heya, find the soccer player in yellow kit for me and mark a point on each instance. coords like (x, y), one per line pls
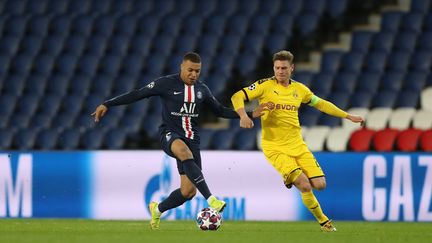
(282, 142)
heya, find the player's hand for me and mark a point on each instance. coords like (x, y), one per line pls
(246, 122)
(259, 110)
(356, 119)
(99, 112)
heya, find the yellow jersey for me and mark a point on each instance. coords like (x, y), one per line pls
(281, 129)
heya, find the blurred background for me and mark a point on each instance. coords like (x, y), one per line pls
(59, 59)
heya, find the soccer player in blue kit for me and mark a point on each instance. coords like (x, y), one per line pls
(183, 96)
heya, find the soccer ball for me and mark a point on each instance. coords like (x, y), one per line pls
(208, 219)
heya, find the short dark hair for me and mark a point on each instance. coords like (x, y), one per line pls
(283, 56)
(192, 56)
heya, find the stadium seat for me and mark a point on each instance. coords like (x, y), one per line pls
(384, 140)
(377, 118)
(69, 139)
(352, 62)
(223, 140)
(6, 138)
(424, 41)
(304, 77)
(309, 116)
(401, 118)
(260, 24)
(114, 139)
(52, 45)
(368, 82)
(330, 61)
(276, 42)
(321, 84)
(426, 141)
(360, 140)
(414, 81)
(24, 139)
(49, 104)
(390, 21)
(81, 25)
(204, 9)
(337, 139)
(15, 25)
(405, 41)
(419, 6)
(421, 61)
(38, 25)
(408, 98)
(361, 99)
(283, 23)
(376, 61)
(306, 24)
(408, 140)
(292, 7)
(247, 7)
(14, 7)
(46, 139)
(398, 61)
(7, 105)
(245, 139)
(336, 8)
(92, 139)
(422, 119)
(391, 81)
(253, 43)
(384, 99)
(125, 25)
(345, 82)
(315, 137)
(206, 138)
(426, 99)
(360, 41)
(169, 25)
(124, 6)
(14, 84)
(412, 22)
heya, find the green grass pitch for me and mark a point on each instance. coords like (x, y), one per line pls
(62, 230)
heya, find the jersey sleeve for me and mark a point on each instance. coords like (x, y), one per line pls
(153, 88)
(307, 94)
(253, 91)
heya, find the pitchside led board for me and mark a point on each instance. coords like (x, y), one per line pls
(119, 185)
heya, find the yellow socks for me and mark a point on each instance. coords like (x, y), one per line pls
(310, 201)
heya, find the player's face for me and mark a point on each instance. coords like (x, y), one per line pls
(282, 70)
(190, 71)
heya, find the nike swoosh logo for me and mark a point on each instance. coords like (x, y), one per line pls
(176, 93)
(276, 92)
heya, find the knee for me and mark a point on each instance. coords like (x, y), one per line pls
(185, 153)
(319, 184)
(305, 187)
(189, 194)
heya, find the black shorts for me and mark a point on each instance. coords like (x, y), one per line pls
(167, 138)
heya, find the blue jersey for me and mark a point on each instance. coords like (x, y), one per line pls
(181, 103)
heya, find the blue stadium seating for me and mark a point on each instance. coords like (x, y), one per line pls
(14, 7)
(38, 25)
(114, 139)
(390, 21)
(421, 61)
(282, 23)
(82, 25)
(307, 24)
(124, 6)
(322, 84)
(361, 40)
(223, 139)
(15, 25)
(425, 41)
(169, 25)
(245, 139)
(92, 138)
(345, 82)
(206, 138)
(405, 41)
(391, 81)
(7, 105)
(260, 24)
(46, 139)
(60, 26)
(292, 7)
(270, 6)
(308, 116)
(330, 121)
(304, 77)
(6, 138)
(408, 98)
(14, 84)
(9, 44)
(352, 62)
(330, 61)
(412, 22)
(420, 6)
(49, 104)
(24, 139)
(361, 99)
(230, 43)
(384, 99)
(125, 25)
(276, 42)
(398, 61)
(368, 82)
(40, 120)
(376, 61)
(414, 81)
(336, 8)
(69, 139)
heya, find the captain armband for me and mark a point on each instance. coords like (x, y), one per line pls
(314, 100)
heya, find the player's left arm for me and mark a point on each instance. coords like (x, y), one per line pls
(331, 109)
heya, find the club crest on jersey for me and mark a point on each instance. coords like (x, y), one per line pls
(168, 136)
(199, 95)
(295, 95)
(150, 85)
(252, 86)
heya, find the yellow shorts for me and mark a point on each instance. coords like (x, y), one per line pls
(291, 167)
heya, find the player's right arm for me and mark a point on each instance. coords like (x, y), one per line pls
(149, 90)
(238, 100)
